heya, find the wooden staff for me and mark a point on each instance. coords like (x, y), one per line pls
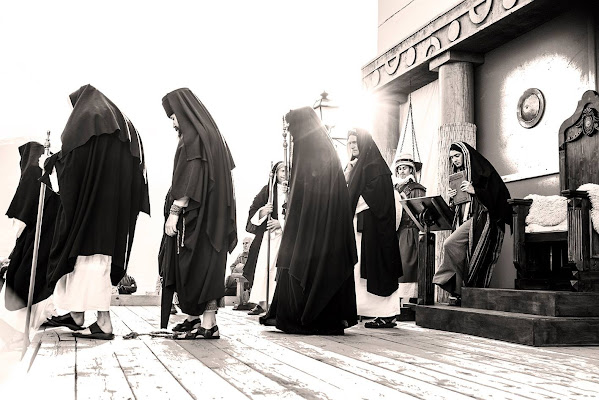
(36, 248)
(270, 201)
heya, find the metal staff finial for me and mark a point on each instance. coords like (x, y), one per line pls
(47, 143)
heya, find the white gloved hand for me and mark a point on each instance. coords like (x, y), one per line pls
(42, 161)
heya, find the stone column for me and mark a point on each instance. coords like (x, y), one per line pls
(456, 91)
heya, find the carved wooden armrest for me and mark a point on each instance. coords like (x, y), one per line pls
(570, 194)
(579, 228)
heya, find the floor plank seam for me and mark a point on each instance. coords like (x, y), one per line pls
(489, 363)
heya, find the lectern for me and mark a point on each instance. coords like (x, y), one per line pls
(430, 214)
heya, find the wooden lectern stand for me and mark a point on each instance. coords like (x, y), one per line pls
(429, 214)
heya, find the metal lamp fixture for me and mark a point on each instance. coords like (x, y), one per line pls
(327, 110)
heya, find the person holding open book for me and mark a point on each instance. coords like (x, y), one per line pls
(479, 198)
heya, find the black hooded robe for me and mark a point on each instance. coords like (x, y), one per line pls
(102, 183)
(315, 291)
(24, 207)
(193, 263)
(380, 261)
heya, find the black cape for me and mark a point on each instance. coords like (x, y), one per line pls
(103, 186)
(490, 212)
(194, 263)
(24, 207)
(315, 292)
(259, 201)
(380, 261)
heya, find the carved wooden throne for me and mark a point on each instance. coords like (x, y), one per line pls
(566, 260)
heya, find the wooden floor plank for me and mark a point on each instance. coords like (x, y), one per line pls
(194, 376)
(548, 387)
(491, 363)
(99, 375)
(54, 367)
(540, 354)
(416, 381)
(359, 387)
(585, 356)
(254, 361)
(303, 384)
(460, 375)
(146, 375)
(538, 362)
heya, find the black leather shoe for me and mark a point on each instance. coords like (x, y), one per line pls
(257, 310)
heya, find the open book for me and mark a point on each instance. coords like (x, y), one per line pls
(455, 180)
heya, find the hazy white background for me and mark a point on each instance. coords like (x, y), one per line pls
(248, 61)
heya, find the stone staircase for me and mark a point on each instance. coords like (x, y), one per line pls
(530, 317)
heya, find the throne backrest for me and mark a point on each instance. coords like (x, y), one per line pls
(579, 144)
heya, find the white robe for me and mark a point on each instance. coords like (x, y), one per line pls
(88, 287)
(368, 304)
(258, 292)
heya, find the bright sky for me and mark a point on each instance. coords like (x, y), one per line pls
(248, 61)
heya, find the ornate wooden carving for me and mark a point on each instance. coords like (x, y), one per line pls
(577, 157)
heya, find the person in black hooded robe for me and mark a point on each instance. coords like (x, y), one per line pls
(373, 203)
(315, 291)
(23, 210)
(200, 218)
(472, 249)
(103, 186)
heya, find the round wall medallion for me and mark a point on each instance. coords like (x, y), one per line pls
(530, 108)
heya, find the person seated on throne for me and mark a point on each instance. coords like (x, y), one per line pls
(472, 249)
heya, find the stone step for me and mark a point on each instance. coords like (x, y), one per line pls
(536, 302)
(527, 329)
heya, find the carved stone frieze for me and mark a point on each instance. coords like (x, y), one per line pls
(452, 28)
(480, 10)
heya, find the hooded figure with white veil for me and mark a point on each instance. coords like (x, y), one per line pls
(373, 204)
(258, 223)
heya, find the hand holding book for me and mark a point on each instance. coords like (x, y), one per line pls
(459, 188)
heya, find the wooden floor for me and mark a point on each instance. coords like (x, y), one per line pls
(252, 361)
